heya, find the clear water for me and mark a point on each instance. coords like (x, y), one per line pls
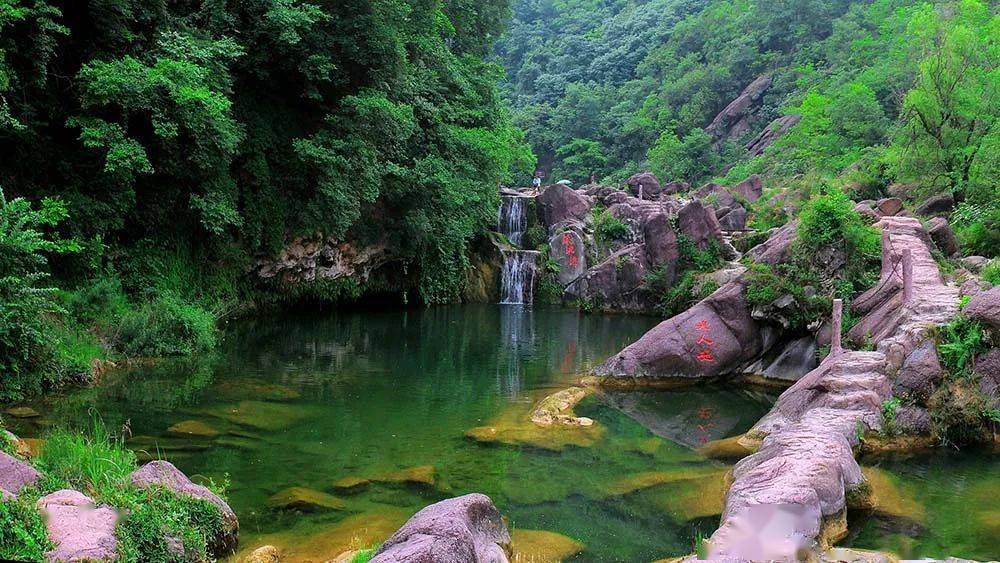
(310, 400)
(951, 499)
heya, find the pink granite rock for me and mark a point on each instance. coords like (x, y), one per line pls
(16, 474)
(164, 474)
(466, 529)
(79, 530)
(985, 307)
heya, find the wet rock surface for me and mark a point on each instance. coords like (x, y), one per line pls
(466, 529)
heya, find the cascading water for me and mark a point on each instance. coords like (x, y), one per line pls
(517, 278)
(512, 218)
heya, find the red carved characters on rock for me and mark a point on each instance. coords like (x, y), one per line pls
(570, 249)
(704, 342)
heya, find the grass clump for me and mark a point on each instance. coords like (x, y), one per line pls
(364, 555)
(889, 408)
(156, 525)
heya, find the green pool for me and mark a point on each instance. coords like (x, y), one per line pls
(374, 411)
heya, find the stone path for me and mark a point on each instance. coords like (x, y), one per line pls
(790, 497)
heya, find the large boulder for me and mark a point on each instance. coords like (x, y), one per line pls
(889, 206)
(16, 474)
(644, 185)
(559, 203)
(660, 240)
(732, 218)
(466, 529)
(79, 530)
(164, 474)
(920, 373)
(676, 187)
(985, 307)
(750, 189)
(714, 337)
(699, 225)
(797, 359)
(568, 250)
(942, 235)
(942, 203)
(988, 369)
(616, 283)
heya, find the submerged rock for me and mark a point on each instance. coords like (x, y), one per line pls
(263, 554)
(305, 500)
(541, 546)
(22, 412)
(195, 428)
(164, 474)
(311, 542)
(79, 530)
(640, 481)
(466, 529)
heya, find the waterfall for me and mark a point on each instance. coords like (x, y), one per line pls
(517, 278)
(512, 218)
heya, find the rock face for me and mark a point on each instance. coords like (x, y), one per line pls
(79, 530)
(920, 373)
(740, 114)
(568, 250)
(713, 338)
(985, 307)
(644, 185)
(560, 203)
(309, 259)
(616, 283)
(772, 133)
(661, 242)
(164, 474)
(732, 218)
(699, 224)
(466, 529)
(15, 475)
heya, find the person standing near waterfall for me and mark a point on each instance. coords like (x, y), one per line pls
(536, 182)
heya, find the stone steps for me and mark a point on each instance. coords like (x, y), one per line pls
(790, 497)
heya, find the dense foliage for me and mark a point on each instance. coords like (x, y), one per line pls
(889, 91)
(213, 132)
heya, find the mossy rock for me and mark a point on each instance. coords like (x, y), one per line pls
(728, 449)
(305, 500)
(514, 427)
(640, 481)
(689, 499)
(193, 428)
(260, 415)
(541, 546)
(308, 541)
(887, 499)
(351, 483)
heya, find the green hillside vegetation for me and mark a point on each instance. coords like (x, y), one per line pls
(890, 92)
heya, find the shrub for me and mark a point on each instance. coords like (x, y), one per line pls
(165, 326)
(681, 295)
(22, 532)
(608, 228)
(96, 300)
(829, 219)
(535, 237)
(977, 227)
(889, 408)
(958, 342)
(991, 272)
(28, 360)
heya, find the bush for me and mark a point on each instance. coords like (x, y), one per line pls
(991, 272)
(608, 228)
(28, 360)
(22, 532)
(977, 227)
(682, 295)
(960, 341)
(165, 326)
(535, 237)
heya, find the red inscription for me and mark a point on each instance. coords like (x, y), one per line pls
(706, 343)
(570, 249)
